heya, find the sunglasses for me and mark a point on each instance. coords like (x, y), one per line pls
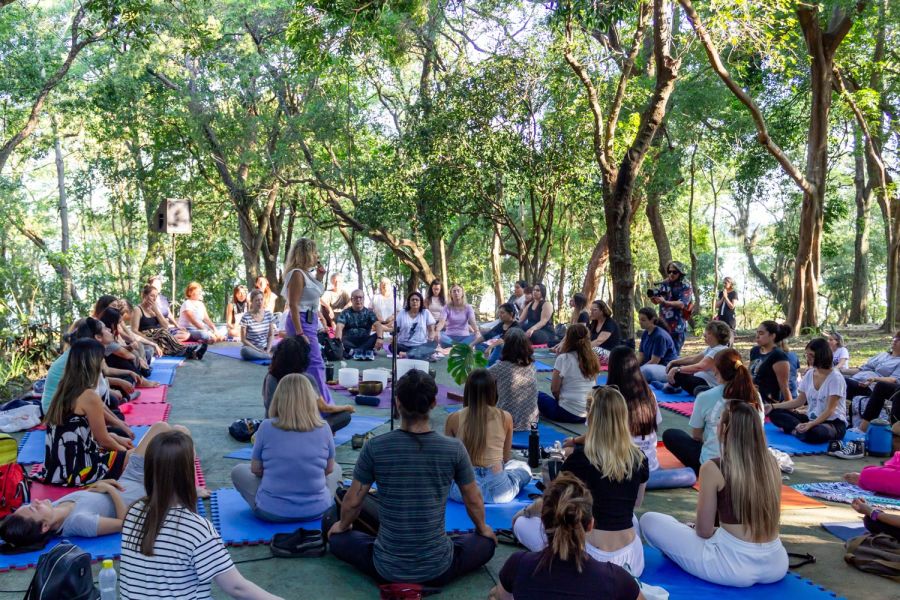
(674, 272)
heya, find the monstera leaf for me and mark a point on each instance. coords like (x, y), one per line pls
(463, 360)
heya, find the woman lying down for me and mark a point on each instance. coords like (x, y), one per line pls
(92, 512)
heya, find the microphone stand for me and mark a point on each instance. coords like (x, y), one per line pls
(394, 332)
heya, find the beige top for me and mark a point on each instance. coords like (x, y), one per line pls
(496, 438)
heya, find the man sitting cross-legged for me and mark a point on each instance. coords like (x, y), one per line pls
(354, 329)
(413, 468)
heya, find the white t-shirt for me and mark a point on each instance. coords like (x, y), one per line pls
(383, 307)
(187, 555)
(708, 375)
(840, 354)
(647, 443)
(817, 399)
(575, 387)
(312, 290)
(410, 336)
(197, 308)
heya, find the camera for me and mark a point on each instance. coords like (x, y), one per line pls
(654, 291)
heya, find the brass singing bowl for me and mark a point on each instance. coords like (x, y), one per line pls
(370, 388)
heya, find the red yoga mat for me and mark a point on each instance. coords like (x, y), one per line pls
(682, 408)
(145, 414)
(156, 395)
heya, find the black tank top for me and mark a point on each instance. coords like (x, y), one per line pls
(147, 322)
(533, 315)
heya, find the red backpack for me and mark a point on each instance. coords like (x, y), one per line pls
(14, 491)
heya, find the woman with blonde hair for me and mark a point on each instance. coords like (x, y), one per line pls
(574, 374)
(269, 297)
(486, 432)
(303, 288)
(460, 325)
(566, 567)
(742, 491)
(292, 474)
(616, 472)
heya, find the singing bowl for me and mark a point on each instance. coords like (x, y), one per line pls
(370, 388)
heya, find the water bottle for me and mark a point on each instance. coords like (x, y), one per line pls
(534, 447)
(108, 581)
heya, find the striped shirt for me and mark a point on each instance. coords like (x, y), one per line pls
(413, 472)
(187, 555)
(258, 331)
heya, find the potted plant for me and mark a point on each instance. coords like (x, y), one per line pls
(463, 359)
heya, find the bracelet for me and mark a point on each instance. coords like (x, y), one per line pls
(874, 514)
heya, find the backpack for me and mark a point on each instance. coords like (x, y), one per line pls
(243, 429)
(332, 348)
(875, 553)
(14, 491)
(63, 572)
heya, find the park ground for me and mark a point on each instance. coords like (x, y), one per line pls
(208, 395)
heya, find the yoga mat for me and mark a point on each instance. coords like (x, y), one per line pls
(681, 396)
(791, 445)
(31, 446)
(843, 492)
(107, 546)
(685, 409)
(384, 398)
(547, 434)
(659, 570)
(145, 414)
(845, 531)
(162, 375)
(671, 473)
(498, 516)
(667, 460)
(239, 527)
(168, 361)
(156, 395)
(791, 499)
(358, 424)
(235, 352)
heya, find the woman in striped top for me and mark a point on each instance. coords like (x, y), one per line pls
(257, 330)
(168, 550)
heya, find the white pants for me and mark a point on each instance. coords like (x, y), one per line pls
(530, 533)
(722, 559)
(654, 373)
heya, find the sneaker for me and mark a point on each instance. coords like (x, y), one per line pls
(199, 352)
(370, 355)
(357, 356)
(301, 543)
(849, 450)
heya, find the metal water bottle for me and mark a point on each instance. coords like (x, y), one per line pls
(534, 447)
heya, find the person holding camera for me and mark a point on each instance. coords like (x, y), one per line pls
(673, 295)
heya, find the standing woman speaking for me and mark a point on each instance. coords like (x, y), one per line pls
(303, 287)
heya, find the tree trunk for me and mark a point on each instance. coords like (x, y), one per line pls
(715, 240)
(859, 295)
(496, 244)
(68, 289)
(595, 267)
(691, 252)
(658, 229)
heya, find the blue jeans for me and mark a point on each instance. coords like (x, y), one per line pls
(449, 340)
(500, 487)
(549, 407)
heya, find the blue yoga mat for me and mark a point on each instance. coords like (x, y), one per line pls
(659, 570)
(358, 424)
(237, 525)
(32, 445)
(789, 444)
(167, 361)
(662, 396)
(845, 531)
(235, 352)
(547, 434)
(164, 375)
(107, 546)
(542, 366)
(498, 516)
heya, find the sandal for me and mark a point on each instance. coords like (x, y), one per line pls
(805, 559)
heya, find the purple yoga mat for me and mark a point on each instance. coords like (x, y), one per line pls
(384, 398)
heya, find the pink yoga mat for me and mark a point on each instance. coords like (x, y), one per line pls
(682, 408)
(156, 395)
(145, 414)
(42, 491)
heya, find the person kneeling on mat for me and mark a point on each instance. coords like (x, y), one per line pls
(742, 491)
(292, 475)
(616, 472)
(567, 568)
(98, 510)
(413, 468)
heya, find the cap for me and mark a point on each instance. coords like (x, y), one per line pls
(678, 265)
(107, 564)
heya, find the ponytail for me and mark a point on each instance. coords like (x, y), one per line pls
(781, 331)
(567, 515)
(738, 381)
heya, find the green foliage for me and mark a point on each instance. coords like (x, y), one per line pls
(464, 359)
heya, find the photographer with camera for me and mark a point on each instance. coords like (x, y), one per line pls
(674, 297)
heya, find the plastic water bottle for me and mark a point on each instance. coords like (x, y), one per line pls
(108, 581)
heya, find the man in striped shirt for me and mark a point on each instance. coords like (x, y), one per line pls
(413, 468)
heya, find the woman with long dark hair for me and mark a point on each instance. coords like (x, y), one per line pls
(734, 385)
(734, 540)
(517, 379)
(537, 318)
(147, 319)
(574, 374)
(168, 550)
(416, 334)
(644, 416)
(565, 568)
(657, 349)
(235, 309)
(605, 333)
(292, 356)
(486, 432)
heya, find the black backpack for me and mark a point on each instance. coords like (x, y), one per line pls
(63, 572)
(332, 348)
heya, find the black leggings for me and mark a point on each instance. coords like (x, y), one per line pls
(787, 421)
(689, 382)
(878, 395)
(683, 447)
(877, 527)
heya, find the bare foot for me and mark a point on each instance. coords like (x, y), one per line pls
(203, 492)
(852, 478)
